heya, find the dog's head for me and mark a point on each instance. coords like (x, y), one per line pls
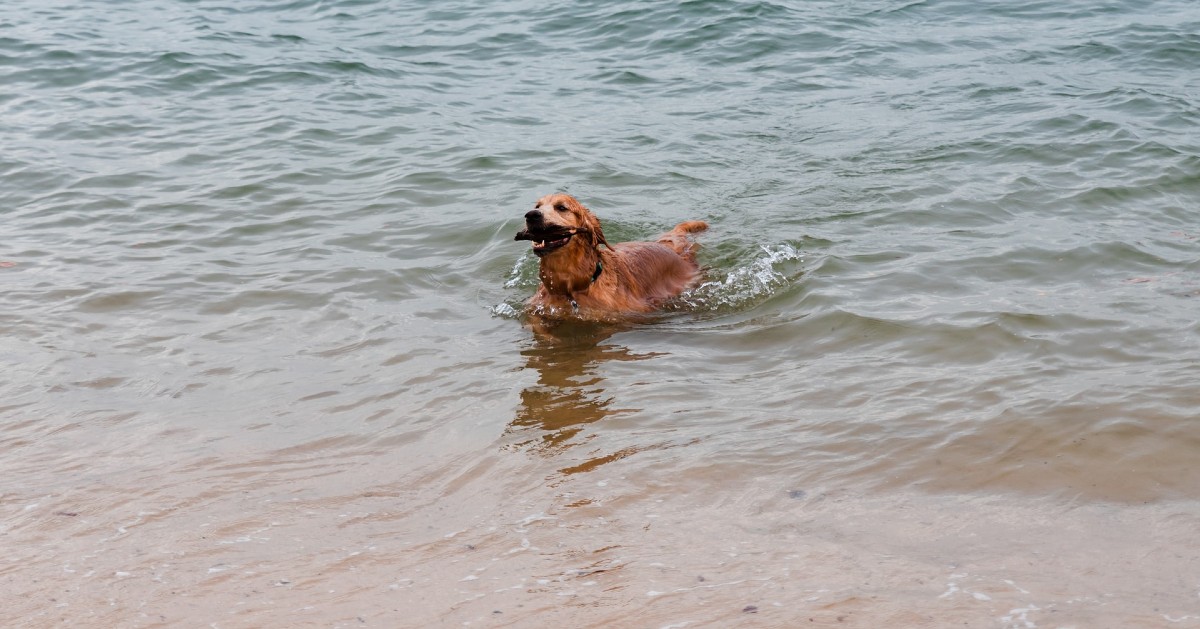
(558, 219)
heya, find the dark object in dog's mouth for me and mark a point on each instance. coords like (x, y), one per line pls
(545, 242)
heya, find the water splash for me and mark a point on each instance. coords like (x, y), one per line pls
(505, 310)
(523, 273)
(746, 285)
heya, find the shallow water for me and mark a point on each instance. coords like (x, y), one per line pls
(265, 363)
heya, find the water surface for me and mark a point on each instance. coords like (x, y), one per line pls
(265, 363)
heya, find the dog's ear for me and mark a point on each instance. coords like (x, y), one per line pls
(593, 225)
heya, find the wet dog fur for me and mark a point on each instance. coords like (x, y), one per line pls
(582, 274)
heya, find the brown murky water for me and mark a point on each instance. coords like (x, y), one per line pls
(264, 362)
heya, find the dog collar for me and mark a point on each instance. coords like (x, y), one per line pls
(599, 270)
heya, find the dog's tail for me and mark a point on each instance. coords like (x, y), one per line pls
(690, 227)
(677, 238)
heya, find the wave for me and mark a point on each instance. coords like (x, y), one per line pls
(747, 285)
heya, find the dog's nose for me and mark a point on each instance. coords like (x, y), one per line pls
(533, 216)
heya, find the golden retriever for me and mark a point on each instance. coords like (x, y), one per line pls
(579, 277)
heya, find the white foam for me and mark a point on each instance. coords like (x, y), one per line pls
(745, 284)
(505, 311)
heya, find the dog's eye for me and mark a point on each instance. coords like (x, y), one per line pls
(560, 207)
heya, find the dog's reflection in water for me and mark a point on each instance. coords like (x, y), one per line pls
(570, 393)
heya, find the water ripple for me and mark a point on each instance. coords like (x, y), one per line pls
(258, 274)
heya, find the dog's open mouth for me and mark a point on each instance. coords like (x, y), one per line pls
(545, 242)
